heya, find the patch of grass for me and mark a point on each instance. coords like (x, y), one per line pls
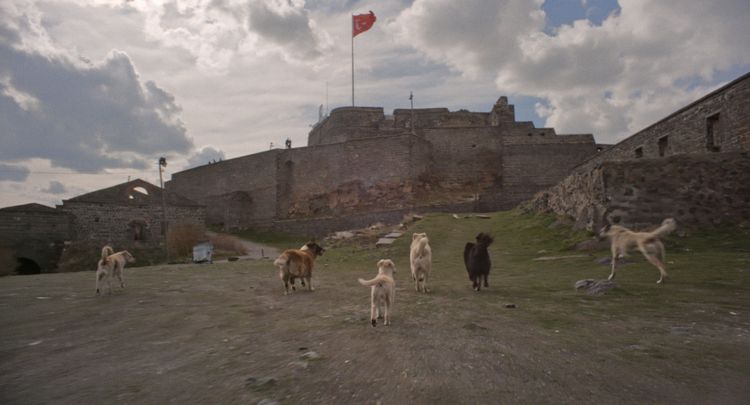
(709, 277)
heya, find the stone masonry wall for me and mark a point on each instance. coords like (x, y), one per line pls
(532, 163)
(373, 173)
(465, 157)
(359, 161)
(347, 123)
(39, 236)
(109, 223)
(696, 190)
(240, 191)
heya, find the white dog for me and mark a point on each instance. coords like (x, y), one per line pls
(624, 240)
(420, 258)
(382, 293)
(110, 265)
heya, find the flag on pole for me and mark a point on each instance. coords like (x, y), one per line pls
(362, 23)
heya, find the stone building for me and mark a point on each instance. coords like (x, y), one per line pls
(35, 238)
(361, 166)
(692, 165)
(32, 237)
(128, 213)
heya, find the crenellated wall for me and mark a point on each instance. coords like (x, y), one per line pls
(360, 162)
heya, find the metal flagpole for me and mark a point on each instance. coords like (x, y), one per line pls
(352, 60)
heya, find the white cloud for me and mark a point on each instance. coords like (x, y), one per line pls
(611, 79)
(473, 37)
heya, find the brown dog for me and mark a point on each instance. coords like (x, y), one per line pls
(298, 263)
(624, 240)
(110, 265)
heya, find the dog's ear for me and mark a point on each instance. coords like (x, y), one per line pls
(380, 263)
(414, 236)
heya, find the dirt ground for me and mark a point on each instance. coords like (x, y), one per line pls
(225, 333)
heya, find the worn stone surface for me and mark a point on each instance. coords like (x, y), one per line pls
(384, 241)
(696, 190)
(361, 162)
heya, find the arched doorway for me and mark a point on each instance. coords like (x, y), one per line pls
(27, 266)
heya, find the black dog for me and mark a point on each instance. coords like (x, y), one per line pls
(477, 260)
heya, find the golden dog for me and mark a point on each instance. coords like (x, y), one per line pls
(420, 259)
(623, 240)
(298, 263)
(382, 293)
(110, 265)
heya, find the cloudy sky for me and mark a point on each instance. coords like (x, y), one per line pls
(92, 92)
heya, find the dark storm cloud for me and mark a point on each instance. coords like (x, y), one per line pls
(55, 187)
(13, 173)
(76, 114)
(84, 118)
(290, 29)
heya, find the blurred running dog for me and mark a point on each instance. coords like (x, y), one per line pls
(382, 293)
(477, 260)
(420, 258)
(112, 265)
(623, 240)
(298, 263)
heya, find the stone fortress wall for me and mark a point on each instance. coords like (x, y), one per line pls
(692, 165)
(363, 165)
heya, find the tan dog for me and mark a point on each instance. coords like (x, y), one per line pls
(298, 263)
(649, 244)
(110, 265)
(382, 293)
(420, 258)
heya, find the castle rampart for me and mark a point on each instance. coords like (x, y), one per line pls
(360, 162)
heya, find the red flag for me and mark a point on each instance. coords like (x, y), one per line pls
(362, 23)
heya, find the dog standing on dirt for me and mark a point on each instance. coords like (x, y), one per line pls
(477, 260)
(420, 258)
(382, 293)
(623, 240)
(298, 263)
(111, 265)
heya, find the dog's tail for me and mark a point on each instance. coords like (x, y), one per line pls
(667, 226)
(282, 260)
(380, 278)
(106, 252)
(422, 247)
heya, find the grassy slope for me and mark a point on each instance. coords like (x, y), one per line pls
(684, 342)
(638, 321)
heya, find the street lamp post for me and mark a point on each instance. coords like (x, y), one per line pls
(162, 165)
